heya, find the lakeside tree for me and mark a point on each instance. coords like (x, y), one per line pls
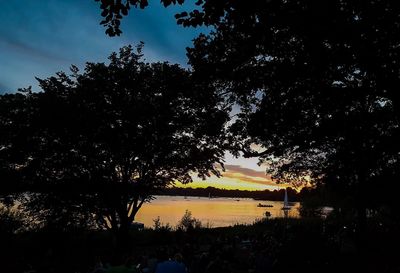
(325, 75)
(100, 143)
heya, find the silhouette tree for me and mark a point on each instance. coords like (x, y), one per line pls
(103, 141)
(319, 81)
(207, 12)
(325, 74)
(114, 10)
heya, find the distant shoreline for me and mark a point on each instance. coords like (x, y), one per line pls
(265, 195)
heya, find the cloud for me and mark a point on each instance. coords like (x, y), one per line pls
(245, 171)
(237, 177)
(249, 179)
(19, 47)
(39, 38)
(247, 175)
(3, 88)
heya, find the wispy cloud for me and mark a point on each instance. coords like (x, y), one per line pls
(12, 45)
(248, 175)
(39, 38)
(238, 177)
(245, 171)
(3, 88)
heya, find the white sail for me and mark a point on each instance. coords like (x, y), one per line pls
(286, 201)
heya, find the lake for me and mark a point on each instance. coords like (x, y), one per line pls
(217, 212)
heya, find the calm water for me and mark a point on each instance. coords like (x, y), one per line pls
(218, 212)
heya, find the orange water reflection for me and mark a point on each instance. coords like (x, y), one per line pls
(218, 212)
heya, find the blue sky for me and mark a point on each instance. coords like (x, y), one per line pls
(41, 37)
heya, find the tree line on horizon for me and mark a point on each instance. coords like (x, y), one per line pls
(316, 83)
(268, 195)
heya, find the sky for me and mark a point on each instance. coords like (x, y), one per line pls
(40, 38)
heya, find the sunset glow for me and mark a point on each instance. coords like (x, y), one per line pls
(237, 177)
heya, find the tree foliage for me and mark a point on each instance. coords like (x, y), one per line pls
(113, 11)
(207, 12)
(11, 221)
(325, 75)
(188, 222)
(101, 142)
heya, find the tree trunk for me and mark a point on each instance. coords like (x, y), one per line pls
(361, 219)
(361, 228)
(121, 229)
(123, 242)
(122, 236)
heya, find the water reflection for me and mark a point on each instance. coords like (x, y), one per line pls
(218, 212)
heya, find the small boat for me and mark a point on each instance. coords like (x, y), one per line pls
(264, 205)
(286, 205)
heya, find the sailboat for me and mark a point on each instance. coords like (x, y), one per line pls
(286, 202)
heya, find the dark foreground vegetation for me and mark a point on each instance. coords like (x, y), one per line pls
(273, 245)
(316, 88)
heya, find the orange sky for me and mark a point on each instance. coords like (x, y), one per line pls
(241, 173)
